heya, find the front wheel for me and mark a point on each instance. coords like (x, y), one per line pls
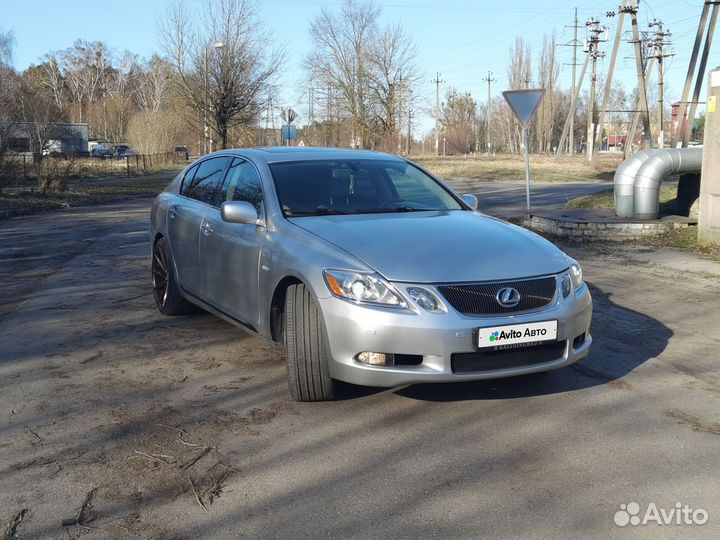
(306, 347)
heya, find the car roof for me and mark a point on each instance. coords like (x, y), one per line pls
(279, 154)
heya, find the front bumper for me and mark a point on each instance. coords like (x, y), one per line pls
(354, 328)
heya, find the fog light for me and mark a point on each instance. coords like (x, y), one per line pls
(375, 359)
(566, 285)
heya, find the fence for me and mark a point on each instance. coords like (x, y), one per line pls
(87, 166)
(144, 163)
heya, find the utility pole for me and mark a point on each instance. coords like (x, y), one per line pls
(409, 132)
(400, 89)
(701, 72)
(437, 82)
(311, 99)
(575, 44)
(608, 83)
(573, 106)
(489, 81)
(593, 53)
(637, 112)
(679, 134)
(205, 105)
(642, 87)
(659, 55)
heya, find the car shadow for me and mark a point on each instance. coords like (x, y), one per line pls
(623, 339)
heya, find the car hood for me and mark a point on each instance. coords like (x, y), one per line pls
(439, 247)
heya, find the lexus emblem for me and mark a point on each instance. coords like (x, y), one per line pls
(508, 297)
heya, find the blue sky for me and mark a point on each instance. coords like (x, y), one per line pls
(460, 39)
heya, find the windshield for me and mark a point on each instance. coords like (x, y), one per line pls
(324, 187)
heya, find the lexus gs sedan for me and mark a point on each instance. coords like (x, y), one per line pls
(365, 268)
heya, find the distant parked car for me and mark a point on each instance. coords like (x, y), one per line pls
(121, 150)
(102, 150)
(182, 152)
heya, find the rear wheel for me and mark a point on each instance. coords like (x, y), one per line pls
(306, 347)
(165, 289)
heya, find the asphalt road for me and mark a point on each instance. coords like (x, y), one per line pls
(101, 395)
(509, 198)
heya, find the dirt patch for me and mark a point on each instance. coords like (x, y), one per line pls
(693, 422)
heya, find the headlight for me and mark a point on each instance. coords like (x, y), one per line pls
(426, 299)
(576, 274)
(566, 285)
(362, 287)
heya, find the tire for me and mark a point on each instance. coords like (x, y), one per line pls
(165, 289)
(306, 347)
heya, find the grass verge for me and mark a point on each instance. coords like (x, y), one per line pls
(543, 168)
(606, 199)
(81, 193)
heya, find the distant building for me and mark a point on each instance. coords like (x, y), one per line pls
(65, 138)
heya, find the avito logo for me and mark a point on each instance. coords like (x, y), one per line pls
(516, 334)
(629, 514)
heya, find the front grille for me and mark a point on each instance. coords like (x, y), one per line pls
(492, 360)
(480, 298)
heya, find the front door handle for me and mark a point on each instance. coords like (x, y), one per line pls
(207, 229)
(172, 212)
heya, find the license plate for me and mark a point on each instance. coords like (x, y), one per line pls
(515, 334)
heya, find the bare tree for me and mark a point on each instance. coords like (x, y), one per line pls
(8, 163)
(459, 118)
(369, 70)
(119, 88)
(153, 84)
(228, 81)
(40, 115)
(546, 121)
(143, 133)
(519, 74)
(82, 67)
(520, 67)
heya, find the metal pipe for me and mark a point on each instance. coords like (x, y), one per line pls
(660, 164)
(625, 180)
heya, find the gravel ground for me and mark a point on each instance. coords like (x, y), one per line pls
(126, 424)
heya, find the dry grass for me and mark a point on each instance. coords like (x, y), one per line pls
(606, 199)
(543, 168)
(684, 238)
(84, 192)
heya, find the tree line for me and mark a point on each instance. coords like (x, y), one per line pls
(216, 79)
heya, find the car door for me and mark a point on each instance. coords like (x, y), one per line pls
(230, 252)
(197, 193)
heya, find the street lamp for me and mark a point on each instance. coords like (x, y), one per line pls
(206, 129)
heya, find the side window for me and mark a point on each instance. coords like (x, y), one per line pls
(187, 179)
(207, 180)
(242, 183)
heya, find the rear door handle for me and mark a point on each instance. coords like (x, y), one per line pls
(172, 212)
(207, 229)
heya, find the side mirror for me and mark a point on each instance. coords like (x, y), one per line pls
(470, 200)
(239, 212)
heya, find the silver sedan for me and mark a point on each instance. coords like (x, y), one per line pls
(366, 268)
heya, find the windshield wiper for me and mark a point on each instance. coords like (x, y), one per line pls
(392, 210)
(318, 212)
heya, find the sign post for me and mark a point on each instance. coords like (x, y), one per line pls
(288, 130)
(524, 104)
